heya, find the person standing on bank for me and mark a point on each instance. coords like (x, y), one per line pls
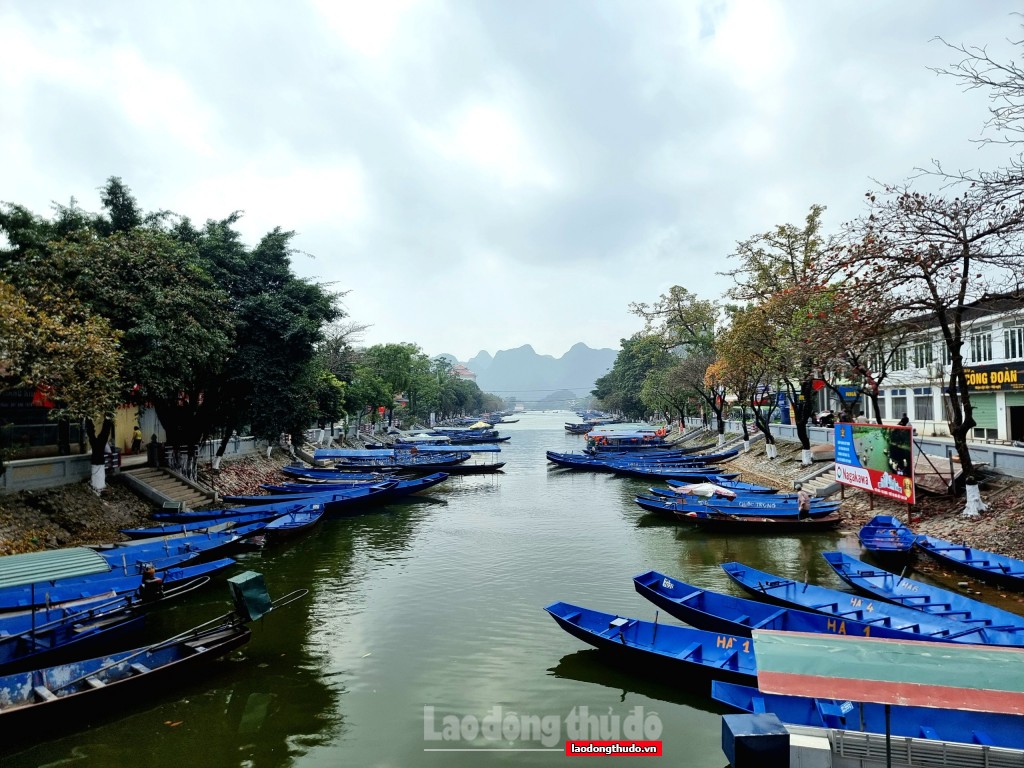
(905, 421)
(803, 502)
(136, 440)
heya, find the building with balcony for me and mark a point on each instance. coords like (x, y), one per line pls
(993, 351)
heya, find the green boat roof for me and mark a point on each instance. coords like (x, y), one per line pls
(37, 567)
(977, 678)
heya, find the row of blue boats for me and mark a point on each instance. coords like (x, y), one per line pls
(715, 655)
(50, 627)
(713, 652)
(700, 493)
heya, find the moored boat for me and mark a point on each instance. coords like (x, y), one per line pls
(671, 507)
(1000, 570)
(71, 694)
(988, 728)
(718, 612)
(845, 605)
(886, 537)
(920, 596)
(717, 522)
(692, 656)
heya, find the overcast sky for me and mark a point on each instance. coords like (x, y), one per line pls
(483, 175)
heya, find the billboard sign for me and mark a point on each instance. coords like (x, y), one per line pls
(1008, 377)
(877, 459)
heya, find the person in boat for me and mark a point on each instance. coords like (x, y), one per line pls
(803, 502)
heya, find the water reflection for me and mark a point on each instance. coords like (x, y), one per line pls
(594, 667)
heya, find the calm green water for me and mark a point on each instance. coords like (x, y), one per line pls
(437, 603)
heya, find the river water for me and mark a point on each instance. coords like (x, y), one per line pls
(428, 613)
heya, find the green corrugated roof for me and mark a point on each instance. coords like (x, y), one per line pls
(977, 678)
(36, 567)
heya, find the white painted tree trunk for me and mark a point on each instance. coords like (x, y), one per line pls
(721, 439)
(769, 451)
(746, 446)
(216, 463)
(98, 477)
(975, 506)
(805, 458)
(269, 449)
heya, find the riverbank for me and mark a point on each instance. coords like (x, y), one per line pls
(73, 515)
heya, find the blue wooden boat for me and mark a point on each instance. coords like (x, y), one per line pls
(45, 636)
(1000, 570)
(727, 522)
(320, 475)
(991, 729)
(659, 459)
(677, 505)
(430, 462)
(759, 504)
(886, 537)
(844, 605)
(47, 699)
(690, 655)
(300, 491)
(214, 514)
(733, 485)
(920, 596)
(169, 550)
(717, 612)
(577, 461)
(294, 523)
(202, 526)
(741, 495)
(705, 475)
(74, 628)
(105, 585)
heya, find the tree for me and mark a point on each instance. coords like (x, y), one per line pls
(747, 367)
(620, 389)
(47, 343)
(1004, 81)
(686, 327)
(949, 253)
(781, 272)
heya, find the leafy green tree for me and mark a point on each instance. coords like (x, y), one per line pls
(47, 343)
(686, 327)
(620, 390)
(781, 272)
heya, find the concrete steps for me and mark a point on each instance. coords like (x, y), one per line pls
(821, 481)
(163, 487)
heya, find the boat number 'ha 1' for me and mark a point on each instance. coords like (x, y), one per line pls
(727, 642)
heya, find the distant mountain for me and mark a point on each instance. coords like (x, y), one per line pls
(480, 362)
(531, 378)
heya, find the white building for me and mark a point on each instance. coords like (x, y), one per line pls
(993, 332)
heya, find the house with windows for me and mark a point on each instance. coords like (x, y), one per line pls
(993, 332)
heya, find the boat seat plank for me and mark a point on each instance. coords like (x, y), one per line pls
(980, 737)
(757, 704)
(139, 669)
(44, 694)
(94, 682)
(769, 619)
(693, 649)
(731, 661)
